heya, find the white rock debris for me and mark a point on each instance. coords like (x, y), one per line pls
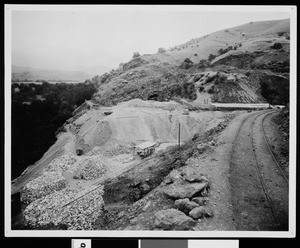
(93, 168)
(75, 207)
(62, 163)
(43, 185)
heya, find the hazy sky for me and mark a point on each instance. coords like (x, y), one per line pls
(74, 40)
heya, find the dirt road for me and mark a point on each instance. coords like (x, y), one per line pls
(259, 188)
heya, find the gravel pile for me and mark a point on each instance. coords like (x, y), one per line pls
(124, 158)
(95, 151)
(75, 207)
(91, 170)
(62, 163)
(43, 185)
(115, 150)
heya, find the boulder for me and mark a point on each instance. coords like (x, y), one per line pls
(200, 200)
(172, 219)
(201, 212)
(194, 176)
(145, 188)
(185, 205)
(202, 147)
(186, 190)
(174, 176)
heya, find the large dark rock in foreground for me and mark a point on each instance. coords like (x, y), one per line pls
(186, 190)
(172, 219)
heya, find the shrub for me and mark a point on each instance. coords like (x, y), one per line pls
(161, 50)
(187, 60)
(201, 88)
(276, 46)
(211, 57)
(195, 54)
(211, 90)
(136, 55)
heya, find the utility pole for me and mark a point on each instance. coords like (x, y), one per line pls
(179, 135)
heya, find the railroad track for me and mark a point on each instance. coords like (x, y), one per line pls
(260, 193)
(270, 150)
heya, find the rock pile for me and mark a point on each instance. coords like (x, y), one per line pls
(43, 185)
(124, 158)
(188, 188)
(62, 163)
(91, 170)
(114, 150)
(75, 207)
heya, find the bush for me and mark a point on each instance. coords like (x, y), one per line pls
(161, 50)
(211, 57)
(196, 54)
(201, 88)
(276, 46)
(211, 90)
(187, 60)
(136, 55)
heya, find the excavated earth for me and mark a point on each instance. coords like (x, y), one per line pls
(209, 182)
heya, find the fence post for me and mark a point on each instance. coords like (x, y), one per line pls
(179, 135)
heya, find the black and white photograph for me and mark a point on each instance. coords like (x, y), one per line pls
(157, 121)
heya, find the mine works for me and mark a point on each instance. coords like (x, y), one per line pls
(194, 137)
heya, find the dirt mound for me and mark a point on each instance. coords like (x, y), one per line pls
(136, 121)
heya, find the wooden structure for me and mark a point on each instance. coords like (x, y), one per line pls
(145, 149)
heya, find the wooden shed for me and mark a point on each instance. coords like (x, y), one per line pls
(145, 149)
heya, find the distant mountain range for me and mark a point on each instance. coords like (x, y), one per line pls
(20, 74)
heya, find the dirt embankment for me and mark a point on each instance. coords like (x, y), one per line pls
(110, 141)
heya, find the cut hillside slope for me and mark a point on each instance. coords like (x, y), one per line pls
(244, 54)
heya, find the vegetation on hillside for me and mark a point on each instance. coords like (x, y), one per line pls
(37, 113)
(275, 89)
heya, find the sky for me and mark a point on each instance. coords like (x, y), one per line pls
(69, 39)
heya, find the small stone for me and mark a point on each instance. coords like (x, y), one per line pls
(185, 205)
(145, 188)
(121, 214)
(201, 212)
(200, 200)
(148, 204)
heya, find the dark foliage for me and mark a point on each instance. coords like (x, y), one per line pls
(38, 113)
(275, 89)
(211, 57)
(276, 46)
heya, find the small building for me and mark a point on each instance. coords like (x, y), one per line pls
(145, 149)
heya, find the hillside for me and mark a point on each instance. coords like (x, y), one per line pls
(225, 66)
(167, 100)
(25, 74)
